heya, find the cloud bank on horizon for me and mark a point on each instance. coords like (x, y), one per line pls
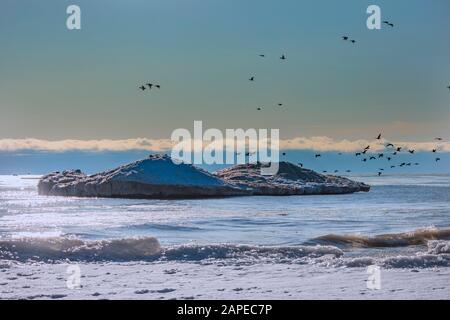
(318, 143)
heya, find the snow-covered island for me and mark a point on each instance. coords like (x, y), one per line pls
(290, 180)
(158, 177)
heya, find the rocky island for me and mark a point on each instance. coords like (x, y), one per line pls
(158, 177)
(290, 180)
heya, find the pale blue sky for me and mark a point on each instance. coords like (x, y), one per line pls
(57, 84)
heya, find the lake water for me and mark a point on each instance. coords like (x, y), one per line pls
(395, 204)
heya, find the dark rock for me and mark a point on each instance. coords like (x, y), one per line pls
(290, 180)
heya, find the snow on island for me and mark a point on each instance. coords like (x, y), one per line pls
(158, 177)
(291, 179)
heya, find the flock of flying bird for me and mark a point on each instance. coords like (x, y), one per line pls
(392, 151)
(149, 86)
(389, 155)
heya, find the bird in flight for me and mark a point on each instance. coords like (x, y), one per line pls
(412, 151)
(142, 88)
(259, 109)
(353, 41)
(438, 159)
(438, 139)
(301, 165)
(367, 148)
(389, 145)
(283, 57)
(149, 85)
(379, 137)
(399, 149)
(318, 155)
(345, 38)
(280, 104)
(157, 86)
(251, 79)
(388, 23)
(262, 55)
(380, 173)
(434, 150)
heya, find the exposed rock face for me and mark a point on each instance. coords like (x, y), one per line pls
(157, 177)
(290, 180)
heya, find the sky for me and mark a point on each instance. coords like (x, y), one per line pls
(58, 84)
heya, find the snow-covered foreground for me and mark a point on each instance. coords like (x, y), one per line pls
(177, 280)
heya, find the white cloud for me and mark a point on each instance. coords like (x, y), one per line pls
(328, 144)
(84, 145)
(319, 143)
